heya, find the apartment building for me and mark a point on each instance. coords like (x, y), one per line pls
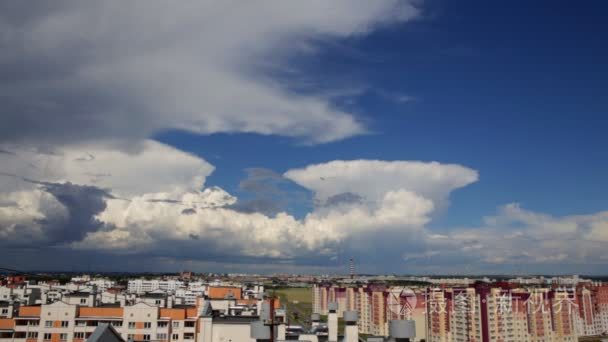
(492, 313)
(62, 321)
(145, 285)
(376, 305)
(21, 294)
(217, 320)
(592, 301)
(482, 312)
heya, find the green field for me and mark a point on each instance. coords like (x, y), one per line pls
(300, 294)
(298, 301)
(591, 339)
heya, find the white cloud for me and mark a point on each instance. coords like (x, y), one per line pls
(148, 167)
(50, 196)
(112, 69)
(518, 236)
(161, 208)
(142, 225)
(21, 215)
(372, 179)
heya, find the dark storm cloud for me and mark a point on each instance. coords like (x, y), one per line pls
(170, 201)
(343, 198)
(83, 203)
(7, 152)
(266, 206)
(263, 186)
(267, 192)
(86, 158)
(189, 211)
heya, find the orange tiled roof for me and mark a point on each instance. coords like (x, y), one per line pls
(7, 323)
(101, 312)
(173, 313)
(29, 311)
(221, 292)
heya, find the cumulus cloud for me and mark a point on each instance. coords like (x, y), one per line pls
(142, 225)
(147, 167)
(523, 239)
(153, 213)
(363, 206)
(372, 179)
(112, 69)
(54, 214)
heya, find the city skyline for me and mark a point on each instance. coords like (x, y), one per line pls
(415, 137)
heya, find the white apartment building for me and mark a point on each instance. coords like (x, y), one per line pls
(144, 285)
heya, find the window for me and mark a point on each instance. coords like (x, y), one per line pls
(63, 337)
(189, 324)
(48, 324)
(147, 325)
(175, 324)
(163, 324)
(32, 334)
(175, 337)
(146, 337)
(130, 337)
(47, 337)
(161, 336)
(131, 325)
(81, 323)
(157, 302)
(83, 300)
(116, 323)
(4, 311)
(79, 335)
(65, 324)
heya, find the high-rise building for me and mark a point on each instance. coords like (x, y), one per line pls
(481, 312)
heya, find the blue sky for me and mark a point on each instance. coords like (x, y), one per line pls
(516, 91)
(473, 133)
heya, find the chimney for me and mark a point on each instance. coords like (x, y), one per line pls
(402, 330)
(265, 311)
(315, 318)
(259, 302)
(91, 299)
(281, 332)
(332, 322)
(11, 308)
(351, 330)
(308, 338)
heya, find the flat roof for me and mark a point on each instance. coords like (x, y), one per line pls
(235, 319)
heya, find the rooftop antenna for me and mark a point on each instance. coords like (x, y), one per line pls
(351, 268)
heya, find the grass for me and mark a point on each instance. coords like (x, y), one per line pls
(299, 294)
(303, 297)
(591, 339)
(298, 301)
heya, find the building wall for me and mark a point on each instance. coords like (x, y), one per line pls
(231, 332)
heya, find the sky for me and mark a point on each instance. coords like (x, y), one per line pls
(414, 136)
